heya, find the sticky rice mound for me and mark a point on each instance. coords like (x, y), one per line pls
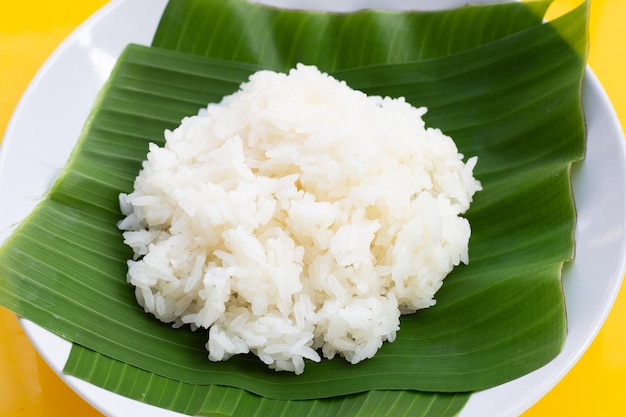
(297, 219)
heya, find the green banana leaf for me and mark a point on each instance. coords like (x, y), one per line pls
(220, 401)
(512, 98)
(281, 38)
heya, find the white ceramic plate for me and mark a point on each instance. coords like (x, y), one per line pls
(48, 119)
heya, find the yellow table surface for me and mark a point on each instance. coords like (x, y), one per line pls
(31, 30)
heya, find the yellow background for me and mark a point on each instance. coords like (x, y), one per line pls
(31, 29)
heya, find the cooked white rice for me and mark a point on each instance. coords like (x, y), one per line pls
(297, 218)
